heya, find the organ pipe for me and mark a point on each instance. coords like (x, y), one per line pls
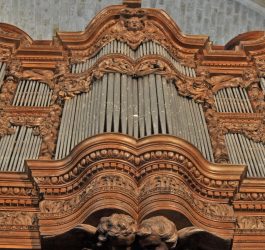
(233, 100)
(242, 150)
(32, 93)
(17, 147)
(135, 106)
(2, 72)
(146, 48)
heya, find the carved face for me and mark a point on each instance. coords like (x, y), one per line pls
(122, 240)
(134, 24)
(119, 229)
(152, 242)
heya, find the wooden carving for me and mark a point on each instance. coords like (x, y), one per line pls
(17, 220)
(251, 223)
(120, 231)
(8, 90)
(256, 96)
(219, 124)
(45, 122)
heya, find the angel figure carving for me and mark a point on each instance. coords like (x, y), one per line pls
(121, 232)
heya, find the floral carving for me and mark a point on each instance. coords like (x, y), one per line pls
(5, 125)
(45, 124)
(48, 130)
(87, 168)
(216, 132)
(170, 185)
(109, 182)
(260, 62)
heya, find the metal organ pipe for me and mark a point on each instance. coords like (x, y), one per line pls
(17, 147)
(242, 150)
(233, 100)
(32, 93)
(135, 106)
(2, 72)
(146, 48)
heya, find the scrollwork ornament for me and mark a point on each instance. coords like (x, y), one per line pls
(256, 97)
(217, 132)
(48, 130)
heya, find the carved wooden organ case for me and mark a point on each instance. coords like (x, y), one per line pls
(131, 116)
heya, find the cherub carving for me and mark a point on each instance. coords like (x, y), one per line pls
(159, 233)
(121, 232)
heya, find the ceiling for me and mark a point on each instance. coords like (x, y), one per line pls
(220, 19)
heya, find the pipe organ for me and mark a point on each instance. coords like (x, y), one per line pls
(138, 107)
(131, 123)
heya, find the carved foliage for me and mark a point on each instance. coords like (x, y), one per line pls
(110, 182)
(165, 184)
(133, 27)
(17, 220)
(256, 97)
(182, 165)
(216, 132)
(251, 222)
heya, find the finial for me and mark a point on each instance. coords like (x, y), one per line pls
(133, 3)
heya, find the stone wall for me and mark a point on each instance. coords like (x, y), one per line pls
(221, 19)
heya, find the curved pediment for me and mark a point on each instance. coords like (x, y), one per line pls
(133, 26)
(128, 175)
(137, 153)
(247, 38)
